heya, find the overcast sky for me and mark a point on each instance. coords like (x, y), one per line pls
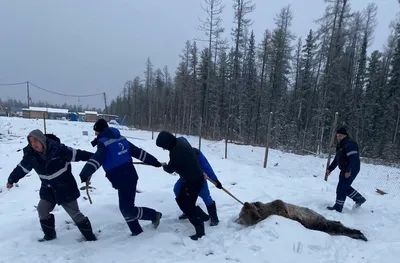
(92, 46)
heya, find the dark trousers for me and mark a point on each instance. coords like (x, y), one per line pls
(345, 189)
(204, 192)
(187, 198)
(44, 209)
(47, 219)
(131, 212)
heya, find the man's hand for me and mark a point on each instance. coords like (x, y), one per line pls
(327, 173)
(347, 175)
(219, 185)
(205, 176)
(84, 180)
(158, 164)
(163, 164)
(9, 186)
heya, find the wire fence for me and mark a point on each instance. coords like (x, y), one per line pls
(380, 178)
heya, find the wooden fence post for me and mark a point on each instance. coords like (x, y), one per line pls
(200, 126)
(334, 124)
(227, 136)
(268, 139)
(44, 122)
(176, 124)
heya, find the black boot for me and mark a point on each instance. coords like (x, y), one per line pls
(359, 200)
(86, 229)
(212, 211)
(183, 217)
(201, 214)
(156, 222)
(199, 231)
(48, 227)
(335, 207)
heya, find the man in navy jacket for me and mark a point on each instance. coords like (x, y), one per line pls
(205, 192)
(348, 159)
(114, 153)
(183, 161)
(52, 162)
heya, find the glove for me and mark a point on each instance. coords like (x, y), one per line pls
(94, 142)
(328, 172)
(219, 185)
(158, 164)
(84, 179)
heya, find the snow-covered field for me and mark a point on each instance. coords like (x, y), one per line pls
(292, 178)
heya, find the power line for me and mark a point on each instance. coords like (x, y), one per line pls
(12, 84)
(29, 84)
(53, 92)
(66, 95)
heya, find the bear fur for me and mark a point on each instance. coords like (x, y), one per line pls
(252, 213)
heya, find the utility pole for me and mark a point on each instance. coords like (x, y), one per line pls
(105, 102)
(27, 91)
(29, 97)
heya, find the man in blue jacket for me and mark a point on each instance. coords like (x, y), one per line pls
(114, 153)
(52, 162)
(348, 159)
(205, 192)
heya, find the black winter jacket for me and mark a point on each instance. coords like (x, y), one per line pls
(347, 157)
(183, 159)
(58, 184)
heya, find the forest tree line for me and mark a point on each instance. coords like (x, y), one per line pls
(228, 90)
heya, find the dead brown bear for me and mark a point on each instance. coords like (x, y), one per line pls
(253, 213)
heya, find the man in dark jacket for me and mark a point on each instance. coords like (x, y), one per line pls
(205, 192)
(114, 153)
(183, 161)
(51, 161)
(348, 159)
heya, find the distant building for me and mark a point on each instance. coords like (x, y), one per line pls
(81, 116)
(108, 117)
(44, 112)
(72, 116)
(91, 116)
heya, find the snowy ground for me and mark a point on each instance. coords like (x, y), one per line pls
(292, 178)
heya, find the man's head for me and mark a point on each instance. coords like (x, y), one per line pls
(166, 140)
(37, 140)
(341, 133)
(99, 126)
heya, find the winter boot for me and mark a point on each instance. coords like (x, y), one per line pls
(183, 217)
(199, 232)
(212, 211)
(335, 207)
(201, 214)
(86, 229)
(135, 227)
(359, 201)
(156, 222)
(48, 227)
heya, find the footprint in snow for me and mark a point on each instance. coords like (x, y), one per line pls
(255, 248)
(232, 259)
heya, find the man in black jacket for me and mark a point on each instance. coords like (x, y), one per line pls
(51, 161)
(348, 159)
(183, 161)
